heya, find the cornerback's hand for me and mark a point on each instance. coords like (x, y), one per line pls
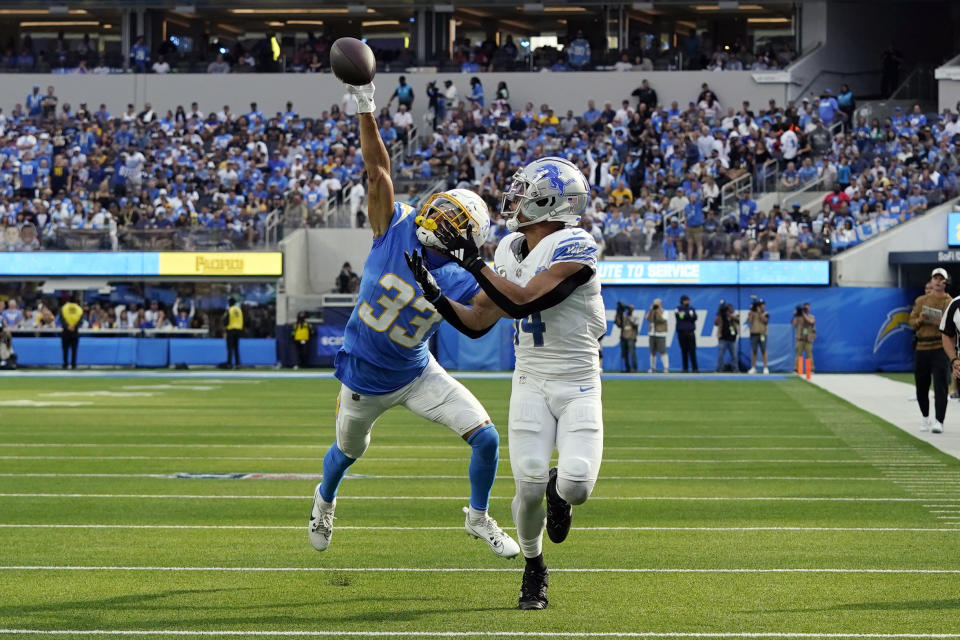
(956, 368)
(431, 290)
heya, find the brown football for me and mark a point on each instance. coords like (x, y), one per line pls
(352, 61)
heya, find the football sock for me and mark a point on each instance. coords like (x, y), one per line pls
(485, 443)
(665, 359)
(335, 464)
(529, 515)
(653, 362)
(536, 563)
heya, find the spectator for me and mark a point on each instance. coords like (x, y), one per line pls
(846, 103)
(12, 317)
(182, 317)
(476, 93)
(403, 94)
(827, 107)
(686, 326)
(139, 55)
(8, 358)
(219, 65)
(629, 324)
(347, 280)
(578, 52)
(645, 94)
(728, 327)
(161, 66)
(657, 333)
(623, 64)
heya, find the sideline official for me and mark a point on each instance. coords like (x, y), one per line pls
(686, 324)
(70, 316)
(234, 331)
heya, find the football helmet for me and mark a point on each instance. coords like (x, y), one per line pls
(549, 189)
(460, 207)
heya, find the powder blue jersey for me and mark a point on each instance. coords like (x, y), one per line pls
(385, 342)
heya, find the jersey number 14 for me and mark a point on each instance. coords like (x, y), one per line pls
(533, 325)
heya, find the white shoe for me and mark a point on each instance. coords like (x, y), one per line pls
(649, 370)
(490, 532)
(751, 370)
(766, 371)
(937, 427)
(321, 521)
(925, 424)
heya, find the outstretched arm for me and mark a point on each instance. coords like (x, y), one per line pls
(376, 161)
(472, 321)
(547, 289)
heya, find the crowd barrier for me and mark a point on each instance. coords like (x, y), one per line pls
(859, 329)
(144, 352)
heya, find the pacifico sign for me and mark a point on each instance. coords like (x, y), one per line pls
(221, 264)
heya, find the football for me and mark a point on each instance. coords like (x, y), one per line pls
(352, 61)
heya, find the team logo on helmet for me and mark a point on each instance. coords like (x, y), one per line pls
(552, 173)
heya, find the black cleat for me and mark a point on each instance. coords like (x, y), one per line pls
(533, 589)
(559, 511)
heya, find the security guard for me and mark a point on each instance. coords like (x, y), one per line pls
(301, 338)
(929, 358)
(234, 331)
(71, 314)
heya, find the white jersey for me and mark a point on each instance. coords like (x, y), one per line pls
(562, 342)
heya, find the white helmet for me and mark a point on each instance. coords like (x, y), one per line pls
(549, 189)
(460, 207)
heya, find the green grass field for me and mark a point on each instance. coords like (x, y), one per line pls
(723, 507)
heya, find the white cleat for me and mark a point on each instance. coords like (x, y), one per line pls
(321, 521)
(490, 532)
(937, 427)
(751, 370)
(766, 371)
(925, 424)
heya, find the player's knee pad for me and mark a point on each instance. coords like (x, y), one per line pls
(485, 442)
(353, 442)
(575, 479)
(575, 491)
(530, 493)
(531, 469)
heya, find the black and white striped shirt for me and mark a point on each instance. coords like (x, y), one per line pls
(950, 320)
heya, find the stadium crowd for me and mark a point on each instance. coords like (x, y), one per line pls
(311, 54)
(184, 179)
(36, 313)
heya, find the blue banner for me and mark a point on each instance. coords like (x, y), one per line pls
(953, 229)
(328, 340)
(794, 272)
(858, 329)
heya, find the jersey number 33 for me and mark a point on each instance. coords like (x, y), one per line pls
(392, 306)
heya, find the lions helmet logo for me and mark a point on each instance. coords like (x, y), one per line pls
(552, 173)
(897, 320)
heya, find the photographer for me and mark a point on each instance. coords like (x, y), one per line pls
(928, 357)
(806, 332)
(728, 327)
(758, 320)
(686, 317)
(301, 333)
(657, 332)
(8, 359)
(629, 324)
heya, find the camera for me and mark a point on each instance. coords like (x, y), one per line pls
(799, 310)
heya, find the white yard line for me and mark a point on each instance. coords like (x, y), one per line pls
(860, 461)
(177, 496)
(297, 475)
(243, 527)
(472, 634)
(650, 570)
(419, 447)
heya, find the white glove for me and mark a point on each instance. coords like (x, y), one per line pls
(364, 97)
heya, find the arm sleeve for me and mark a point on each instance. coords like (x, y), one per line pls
(445, 309)
(550, 299)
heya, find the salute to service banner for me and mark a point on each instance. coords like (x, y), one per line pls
(136, 264)
(799, 272)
